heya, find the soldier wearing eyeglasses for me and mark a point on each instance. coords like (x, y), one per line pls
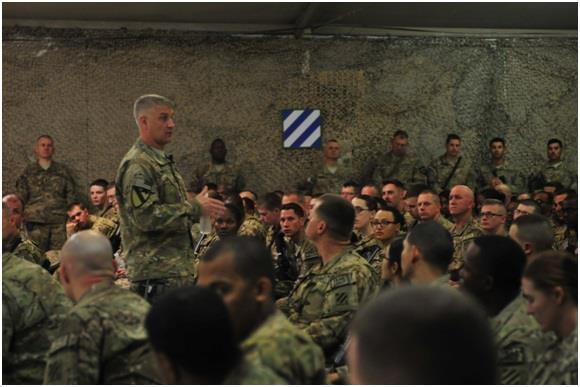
(492, 217)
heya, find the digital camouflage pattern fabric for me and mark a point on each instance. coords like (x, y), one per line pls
(46, 192)
(462, 237)
(513, 177)
(286, 350)
(155, 216)
(371, 251)
(227, 177)
(325, 299)
(253, 227)
(33, 304)
(102, 340)
(253, 373)
(441, 168)
(330, 180)
(404, 168)
(562, 172)
(24, 248)
(515, 335)
(557, 363)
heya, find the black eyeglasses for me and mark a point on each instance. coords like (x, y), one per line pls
(383, 223)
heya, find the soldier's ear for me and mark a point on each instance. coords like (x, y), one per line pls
(263, 289)
(559, 295)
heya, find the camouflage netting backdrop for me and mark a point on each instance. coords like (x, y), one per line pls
(79, 86)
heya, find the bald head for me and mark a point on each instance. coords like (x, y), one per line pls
(16, 207)
(461, 201)
(88, 253)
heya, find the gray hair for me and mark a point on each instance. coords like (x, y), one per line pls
(89, 252)
(148, 101)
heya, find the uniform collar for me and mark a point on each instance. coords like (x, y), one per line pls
(157, 154)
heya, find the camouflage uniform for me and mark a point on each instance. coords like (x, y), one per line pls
(156, 220)
(110, 212)
(560, 171)
(253, 227)
(103, 341)
(404, 168)
(252, 373)
(446, 223)
(370, 249)
(203, 244)
(286, 350)
(271, 232)
(557, 363)
(105, 226)
(301, 257)
(515, 332)
(32, 306)
(326, 180)
(513, 177)
(324, 300)
(24, 248)
(442, 168)
(46, 193)
(227, 176)
(461, 240)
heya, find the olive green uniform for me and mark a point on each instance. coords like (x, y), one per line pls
(462, 237)
(156, 219)
(562, 172)
(557, 363)
(325, 299)
(286, 350)
(226, 176)
(102, 340)
(46, 193)
(32, 305)
(330, 179)
(404, 168)
(513, 177)
(442, 169)
(515, 334)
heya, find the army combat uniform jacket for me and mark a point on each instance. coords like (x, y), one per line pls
(324, 300)
(102, 340)
(286, 350)
(155, 216)
(557, 363)
(33, 304)
(442, 169)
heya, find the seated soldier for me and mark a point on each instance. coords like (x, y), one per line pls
(225, 224)
(79, 219)
(421, 335)
(101, 340)
(199, 348)
(16, 240)
(292, 253)
(241, 270)
(98, 196)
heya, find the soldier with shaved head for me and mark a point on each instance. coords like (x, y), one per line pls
(102, 339)
(461, 203)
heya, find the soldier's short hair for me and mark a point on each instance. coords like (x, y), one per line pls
(148, 101)
(494, 202)
(80, 205)
(252, 259)
(497, 139)
(556, 184)
(433, 193)
(569, 192)
(397, 183)
(400, 133)
(434, 242)
(503, 260)
(192, 327)
(423, 335)
(490, 193)
(298, 210)
(555, 141)
(354, 184)
(452, 136)
(395, 251)
(100, 182)
(47, 136)
(397, 216)
(270, 201)
(531, 203)
(338, 214)
(370, 201)
(535, 229)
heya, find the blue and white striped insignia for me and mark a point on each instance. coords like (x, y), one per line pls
(301, 129)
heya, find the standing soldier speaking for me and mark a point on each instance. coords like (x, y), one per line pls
(154, 211)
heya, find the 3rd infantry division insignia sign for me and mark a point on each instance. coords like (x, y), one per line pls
(301, 129)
